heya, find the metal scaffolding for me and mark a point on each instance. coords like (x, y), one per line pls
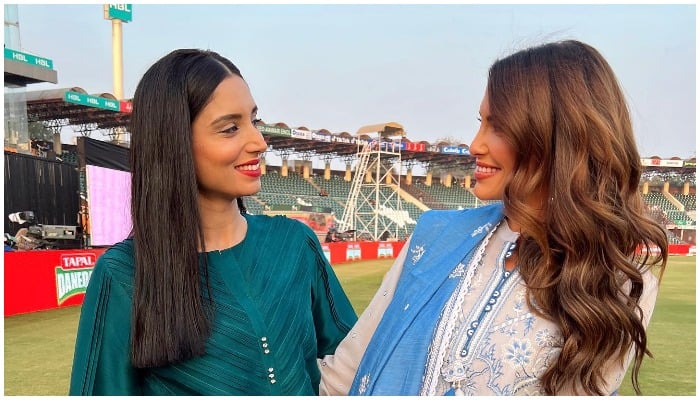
(373, 209)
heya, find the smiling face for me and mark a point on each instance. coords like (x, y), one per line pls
(226, 143)
(495, 157)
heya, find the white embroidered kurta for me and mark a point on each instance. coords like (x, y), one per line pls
(487, 342)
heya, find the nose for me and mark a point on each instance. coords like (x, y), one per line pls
(257, 142)
(478, 147)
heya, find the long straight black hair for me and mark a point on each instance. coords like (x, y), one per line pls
(171, 318)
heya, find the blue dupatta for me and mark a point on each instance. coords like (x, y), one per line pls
(394, 362)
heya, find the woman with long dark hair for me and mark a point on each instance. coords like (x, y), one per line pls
(549, 291)
(203, 298)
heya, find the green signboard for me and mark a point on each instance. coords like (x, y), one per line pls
(91, 101)
(275, 130)
(28, 58)
(121, 12)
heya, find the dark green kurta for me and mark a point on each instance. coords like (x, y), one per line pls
(278, 306)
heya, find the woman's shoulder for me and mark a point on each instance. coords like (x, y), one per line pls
(118, 260)
(120, 250)
(651, 284)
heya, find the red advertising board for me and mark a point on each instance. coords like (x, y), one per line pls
(679, 249)
(415, 146)
(46, 279)
(125, 106)
(40, 280)
(341, 252)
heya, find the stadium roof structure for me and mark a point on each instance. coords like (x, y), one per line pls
(387, 129)
(20, 71)
(658, 164)
(342, 145)
(49, 106)
(292, 144)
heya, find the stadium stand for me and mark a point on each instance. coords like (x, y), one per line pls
(293, 184)
(687, 200)
(254, 205)
(658, 200)
(442, 197)
(333, 193)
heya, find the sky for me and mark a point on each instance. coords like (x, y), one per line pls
(341, 67)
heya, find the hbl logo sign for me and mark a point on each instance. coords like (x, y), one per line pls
(121, 12)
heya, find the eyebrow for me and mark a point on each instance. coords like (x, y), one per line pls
(232, 117)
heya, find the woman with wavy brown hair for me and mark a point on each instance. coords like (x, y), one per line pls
(549, 291)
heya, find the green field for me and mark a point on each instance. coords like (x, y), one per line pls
(39, 346)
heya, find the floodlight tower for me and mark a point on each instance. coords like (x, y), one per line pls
(374, 206)
(118, 13)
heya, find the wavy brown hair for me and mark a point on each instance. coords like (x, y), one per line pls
(563, 111)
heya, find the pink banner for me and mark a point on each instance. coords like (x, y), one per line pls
(109, 205)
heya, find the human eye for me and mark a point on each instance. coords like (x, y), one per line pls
(478, 118)
(231, 129)
(257, 121)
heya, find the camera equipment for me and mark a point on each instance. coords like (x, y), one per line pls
(22, 217)
(49, 232)
(45, 234)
